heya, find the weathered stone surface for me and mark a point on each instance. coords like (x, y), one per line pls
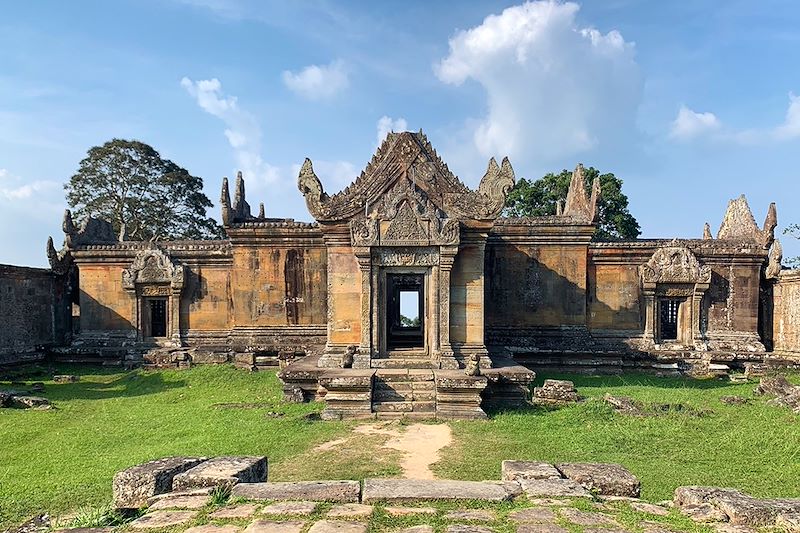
(515, 470)
(584, 518)
(645, 507)
(300, 508)
(789, 521)
(30, 402)
(332, 491)
(784, 392)
(535, 515)
(407, 511)
(403, 490)
(161, 519)
(269, 526)
(213, 528)
(180, 502)
(563, 488)
(85, 530)
(133, 486)
(541, 528)
(606, 479)
(474, 515)
(418, 529)
(203, 491)
(66, 378)
(555, 392)
(350, 510)
(338, 526)
(549, 502)
(461, 528)
(738, 508)
(730, 528)
(235, 511)
(704, 512)
(734, 400)
(223, 470)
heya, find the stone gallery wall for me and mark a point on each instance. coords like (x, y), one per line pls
(34, 313)
(786, 312)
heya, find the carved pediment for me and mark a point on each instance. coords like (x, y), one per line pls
(153, 267)
(410, 157)
(674, 264)
(740, 225)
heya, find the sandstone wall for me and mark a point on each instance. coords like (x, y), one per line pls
(34, 312)
(466, 296)
(786, 312)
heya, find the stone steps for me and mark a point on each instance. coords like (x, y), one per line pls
(404, 393)
(403, 363)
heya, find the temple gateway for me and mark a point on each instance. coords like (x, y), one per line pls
(410, 296)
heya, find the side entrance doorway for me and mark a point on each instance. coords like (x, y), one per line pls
(405, 311)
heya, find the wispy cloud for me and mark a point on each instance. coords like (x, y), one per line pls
(386, 125)
(318, 82)
(693, 125)
(241, 128)
(553, 88)
(14, 188)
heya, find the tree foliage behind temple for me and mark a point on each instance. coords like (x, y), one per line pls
(129, 184)
(539, 198)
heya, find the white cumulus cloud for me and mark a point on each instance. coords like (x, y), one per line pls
(241, 128)
(386, 125)
(318, 82)
(14, 187)
(689, 124)
(693, 125)
(553, 88)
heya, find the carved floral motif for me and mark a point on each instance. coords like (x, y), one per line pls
(153, 267)
(405, 257)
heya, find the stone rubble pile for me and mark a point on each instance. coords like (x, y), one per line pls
(555, 392)
(784, 392)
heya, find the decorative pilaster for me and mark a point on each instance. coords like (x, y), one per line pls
(363, 357)
(447, 255)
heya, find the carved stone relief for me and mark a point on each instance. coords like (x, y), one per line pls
(674, 264)
(153, 267)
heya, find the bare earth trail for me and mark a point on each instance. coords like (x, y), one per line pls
(419, 444)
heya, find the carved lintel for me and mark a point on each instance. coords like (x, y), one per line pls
(405, 256)
(153, 267)
(674, 264)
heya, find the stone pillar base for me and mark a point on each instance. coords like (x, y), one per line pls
(458, 396)
(349, 393)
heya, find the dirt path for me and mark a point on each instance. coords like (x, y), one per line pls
(419, 444)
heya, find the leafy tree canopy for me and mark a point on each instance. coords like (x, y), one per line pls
(794, 231)
(129, 184)
(539, 198)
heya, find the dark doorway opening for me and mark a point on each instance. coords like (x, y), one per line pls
(405, 311)
(155, 319)
(669, 319)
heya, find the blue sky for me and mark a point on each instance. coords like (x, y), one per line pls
(690, 103)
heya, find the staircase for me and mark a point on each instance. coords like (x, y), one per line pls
(403, 359)
(404, 393)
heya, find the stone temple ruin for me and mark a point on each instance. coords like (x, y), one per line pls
(494, 297)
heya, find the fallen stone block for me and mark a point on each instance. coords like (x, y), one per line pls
(181, 502)
(30, 402)
(408, 511)
(541, 528)
(299, 508)
(223, 471)
(66, 378)
(235, 511)
(516, 470)
(160, 519)
(405, 490)
(644, 507)
(553, 488)
(704, 512)
(788, 521)
(605, 479)
(133, 486)
(584, 518)
(461, 528)
(555, 392)
(318, 491)
(418, 529)
(534, 515)
(350, 510)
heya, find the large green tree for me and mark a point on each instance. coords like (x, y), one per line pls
(539, 198)
(794, 231)
(130, 185)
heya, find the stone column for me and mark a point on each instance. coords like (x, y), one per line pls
(175, 317)
(447, 257)
(363, 357)
(649, 314)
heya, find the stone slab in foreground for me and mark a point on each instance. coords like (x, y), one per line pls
(223, 470)
(160, 519)
(553, 488)
(133, 486)
(515, 470)
(606, 479)
(741, 509)
(405, 490)
(319, 491)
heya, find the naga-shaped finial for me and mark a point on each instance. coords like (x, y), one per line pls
(308, 183)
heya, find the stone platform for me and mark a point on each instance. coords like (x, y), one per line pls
(418, 393)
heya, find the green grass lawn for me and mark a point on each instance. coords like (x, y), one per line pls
(65, 458)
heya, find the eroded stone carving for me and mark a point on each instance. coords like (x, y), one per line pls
(405, 257)
(674, 264)
(775, 257)
(739, 224)
(60, 260)
(153, 267)
(408, 156)
(92, 231)
(579, 205)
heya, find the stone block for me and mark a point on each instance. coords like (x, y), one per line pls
(332, 491)
(555, 392)
(515, 470)
(472, 515)
(553, 488)
(213, 528)
(541, 528)
(299, 508)
(418, 529)
(536, 515)
(584, 518)
(133, 486)
(606, 479)
(269, 526)
(180, 502)
(221, 471)
(462, 528)
(338, 526)
(66, 378)
(408, 511)
(235, 512)
(30, 402)
(644, 507)
(406, 490)
(350, 510)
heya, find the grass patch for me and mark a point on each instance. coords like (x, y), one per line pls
(64, 459)
(753, 447)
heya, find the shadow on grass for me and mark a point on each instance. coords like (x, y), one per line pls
(124, 384)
